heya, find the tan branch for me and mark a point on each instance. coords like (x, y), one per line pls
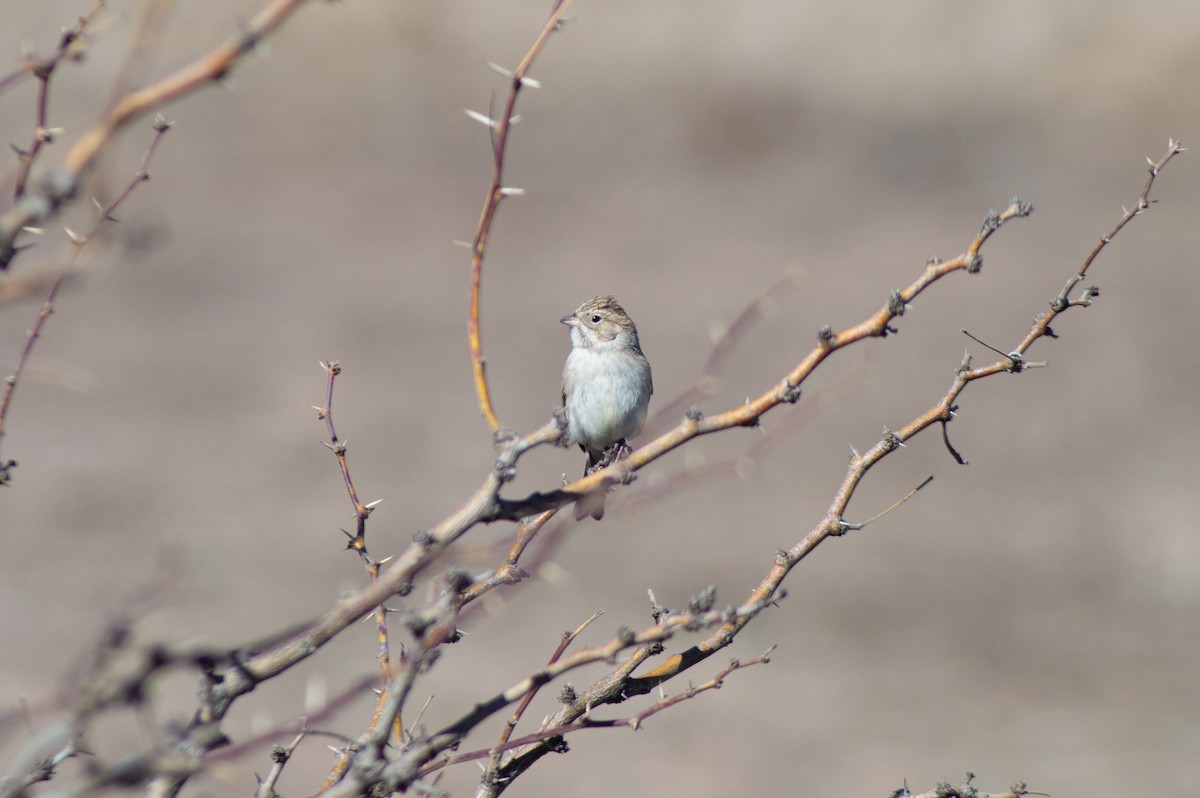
(497, 191)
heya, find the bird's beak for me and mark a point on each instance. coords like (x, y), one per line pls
(570, 321)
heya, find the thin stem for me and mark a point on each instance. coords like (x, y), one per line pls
(496, 192)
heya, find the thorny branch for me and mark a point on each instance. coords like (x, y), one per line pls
(833, 523)
(358, 543)
(42, 202)
(280, 755)
(404, 769)
(497, 191)
(78, 242)
(506, 734)
(247, 667)
(371, 765)
(71, 45)
(587, 722)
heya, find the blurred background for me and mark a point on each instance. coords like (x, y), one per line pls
(1034, 615)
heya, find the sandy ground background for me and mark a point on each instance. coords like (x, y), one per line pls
(1033, 615)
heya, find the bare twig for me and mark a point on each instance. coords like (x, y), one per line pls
(401, 771)
(280, 755)
(497, 191)
(358, 543)
(862, 524)
(587, 722)
(71, 45)
(36, 207)
(502, 744)
(77, 243)
(1062, 302)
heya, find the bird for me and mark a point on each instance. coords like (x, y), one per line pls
(606, 387)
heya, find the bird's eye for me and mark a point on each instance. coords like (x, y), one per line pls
(596, 318)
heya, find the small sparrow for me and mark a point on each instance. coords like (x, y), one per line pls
(606, 387)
